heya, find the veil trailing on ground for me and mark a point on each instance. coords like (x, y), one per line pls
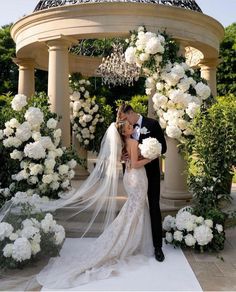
(97, 193)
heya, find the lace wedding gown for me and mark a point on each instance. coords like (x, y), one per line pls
(127, 237)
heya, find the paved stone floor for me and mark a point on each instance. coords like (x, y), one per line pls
(215, 272)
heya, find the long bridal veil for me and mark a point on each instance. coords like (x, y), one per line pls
(97, 193)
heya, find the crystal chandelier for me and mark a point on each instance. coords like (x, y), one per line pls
(115, 71)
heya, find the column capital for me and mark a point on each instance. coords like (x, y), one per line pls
(58, 42)
(209, 63)
(24, 62)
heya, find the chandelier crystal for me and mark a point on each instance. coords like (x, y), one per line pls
(114, 70)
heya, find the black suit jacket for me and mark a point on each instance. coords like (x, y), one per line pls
(154, 130)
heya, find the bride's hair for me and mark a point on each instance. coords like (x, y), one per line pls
(120, 126)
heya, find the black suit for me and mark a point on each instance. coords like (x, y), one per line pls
(153, 175)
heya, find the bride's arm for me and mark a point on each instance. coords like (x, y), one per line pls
(134, 159)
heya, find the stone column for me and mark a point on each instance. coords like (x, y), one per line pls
(26, 81)
(208, 72)
(81, 171)
(58, 85)
(175, 191)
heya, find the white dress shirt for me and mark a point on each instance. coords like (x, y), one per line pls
(136, 132)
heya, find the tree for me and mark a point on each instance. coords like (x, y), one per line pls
(226, 73)
(9, 70)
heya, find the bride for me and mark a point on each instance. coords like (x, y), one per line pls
(124, 236)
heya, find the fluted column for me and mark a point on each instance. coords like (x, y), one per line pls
(208, 72)
(26, 80)
(175, 190)
(58, 85)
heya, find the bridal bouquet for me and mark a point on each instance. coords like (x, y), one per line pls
(189, 230)
(27, 234)
(150, 148)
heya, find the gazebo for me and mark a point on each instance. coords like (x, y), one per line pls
(44, 37)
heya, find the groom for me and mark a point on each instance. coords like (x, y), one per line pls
(144, 128)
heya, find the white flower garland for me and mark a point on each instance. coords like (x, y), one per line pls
(84, 113)
(176, 95)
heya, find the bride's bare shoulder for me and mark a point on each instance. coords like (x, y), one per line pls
(132, 142)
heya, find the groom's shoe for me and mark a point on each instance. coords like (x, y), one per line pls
(159, 255)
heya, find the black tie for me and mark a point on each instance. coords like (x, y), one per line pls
(135, 125)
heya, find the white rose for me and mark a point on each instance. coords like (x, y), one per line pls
(167, 222)
(130, 55)
(72, 163)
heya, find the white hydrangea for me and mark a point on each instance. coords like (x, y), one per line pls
(203, 234)
(6, 230)
(29, 231)
(17, 155)
(63, 169)
(208, 222)
(21, 250)
(182, 219)
(189, 240)
(23, 132)
(203, 90)
(192, 109)
(59, 234)
(34, 116)
(7, 250)
(35, 247)
(178, 235)
(18, 102)
(130, 55)
(167, 222)
(169, 237)
(219, 228)
(35, 150)
(173, 132)
(52, 123)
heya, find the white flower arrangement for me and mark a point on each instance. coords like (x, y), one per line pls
(150, 148)
(189, 230)
(84, 113)
(33, 141)
(23, 241)
(176, 95)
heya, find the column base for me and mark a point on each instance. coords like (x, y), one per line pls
(176, 199)
(81, 173)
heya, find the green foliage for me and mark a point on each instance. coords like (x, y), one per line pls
(226, 72)
(9, 70)
(138, 102)
(96, 47)
(212, 155)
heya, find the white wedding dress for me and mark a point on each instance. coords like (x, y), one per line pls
(126, 237)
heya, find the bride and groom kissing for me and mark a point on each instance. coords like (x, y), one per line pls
(137, 229)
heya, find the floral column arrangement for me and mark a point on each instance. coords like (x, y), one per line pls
(177, 93)
(84, 118)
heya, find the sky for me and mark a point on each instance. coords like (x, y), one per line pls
(222, 10)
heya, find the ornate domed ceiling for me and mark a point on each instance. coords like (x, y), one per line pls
(186, 4)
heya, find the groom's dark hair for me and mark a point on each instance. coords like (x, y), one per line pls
(126, 108)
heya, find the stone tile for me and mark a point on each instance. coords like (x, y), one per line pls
(228, 269)
(217, 283)
(205, 269)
